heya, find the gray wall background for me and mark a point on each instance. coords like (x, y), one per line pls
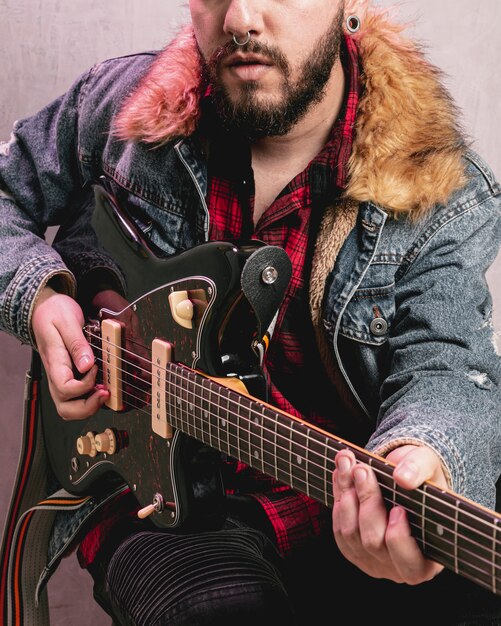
(47, 43)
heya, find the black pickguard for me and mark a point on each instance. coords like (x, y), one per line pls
(230, 313)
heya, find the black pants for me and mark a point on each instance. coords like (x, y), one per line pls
(147, 577)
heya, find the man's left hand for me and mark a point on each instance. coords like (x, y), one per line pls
(377, 541)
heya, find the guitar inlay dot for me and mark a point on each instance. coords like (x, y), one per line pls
(299, 460)
(256, 420)
(206, 414)
(190, 406)
(223, 423)
(256, 454)
(440, 530)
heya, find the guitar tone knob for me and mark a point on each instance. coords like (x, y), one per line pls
(106, 442)
(86, 445)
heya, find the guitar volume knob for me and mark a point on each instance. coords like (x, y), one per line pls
(86, 445)
(106, 442)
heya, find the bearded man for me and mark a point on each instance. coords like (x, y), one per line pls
(315, 126)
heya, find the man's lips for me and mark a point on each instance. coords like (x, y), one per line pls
(240, 58)
(247, 66)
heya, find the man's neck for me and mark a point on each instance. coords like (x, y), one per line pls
(277, 160)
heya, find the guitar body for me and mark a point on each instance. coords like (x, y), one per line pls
(171, 351)
(175, 471)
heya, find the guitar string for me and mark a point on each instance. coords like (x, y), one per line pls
(307, 449)
(190, 370)
(290, 454)
(465, 557)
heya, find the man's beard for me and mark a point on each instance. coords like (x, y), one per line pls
(255, 119)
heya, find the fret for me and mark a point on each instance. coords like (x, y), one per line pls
(266, 435)
(257, 434)
(221, 418)
(318, 474)
(228, 415)
(184, 397)
(192, 406)
(271, 449)
(298, 458)
(311, 470)
(456, 544)
(289, 446)
(385, 480)
(496, 558)
(425, 525)
(333, 446)
(328, 470)
(432, 519)
(400, 497)
(243, 429)
(207, 416)
(197, 402)
(183, 404)
(282, 450)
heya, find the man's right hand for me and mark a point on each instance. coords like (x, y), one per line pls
(57, 325)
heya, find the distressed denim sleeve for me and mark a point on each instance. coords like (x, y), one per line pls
(443, 388)
(39, 181)
(41, 184)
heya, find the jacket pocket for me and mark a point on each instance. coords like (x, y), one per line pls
(369, 315)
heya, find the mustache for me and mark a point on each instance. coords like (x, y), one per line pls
(253, 46)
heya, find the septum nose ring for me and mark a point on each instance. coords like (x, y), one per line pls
(244, 42)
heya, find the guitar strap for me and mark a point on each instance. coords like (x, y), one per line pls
(27, 531)
(264, 280)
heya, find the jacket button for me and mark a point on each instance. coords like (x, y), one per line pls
(379, 326)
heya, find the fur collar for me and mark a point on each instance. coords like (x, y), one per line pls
(407, 147)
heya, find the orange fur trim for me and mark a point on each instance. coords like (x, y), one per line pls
(408, 145)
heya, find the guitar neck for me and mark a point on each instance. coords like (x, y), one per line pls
(451, 530)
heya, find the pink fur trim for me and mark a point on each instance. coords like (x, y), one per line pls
(166, 102)
(408, 145)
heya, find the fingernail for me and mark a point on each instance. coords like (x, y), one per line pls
(359, 475)
(407, 473)
(396, 514)
(343, 464)
(85, 360)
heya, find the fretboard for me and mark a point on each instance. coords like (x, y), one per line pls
(459, 534)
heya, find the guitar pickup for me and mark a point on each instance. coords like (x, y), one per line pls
(161, 355)
(111, 342)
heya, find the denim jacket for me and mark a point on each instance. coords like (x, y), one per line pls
(405, 310)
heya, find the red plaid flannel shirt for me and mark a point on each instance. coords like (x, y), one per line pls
(298, 382)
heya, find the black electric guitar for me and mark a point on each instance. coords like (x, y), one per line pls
(182, 359)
